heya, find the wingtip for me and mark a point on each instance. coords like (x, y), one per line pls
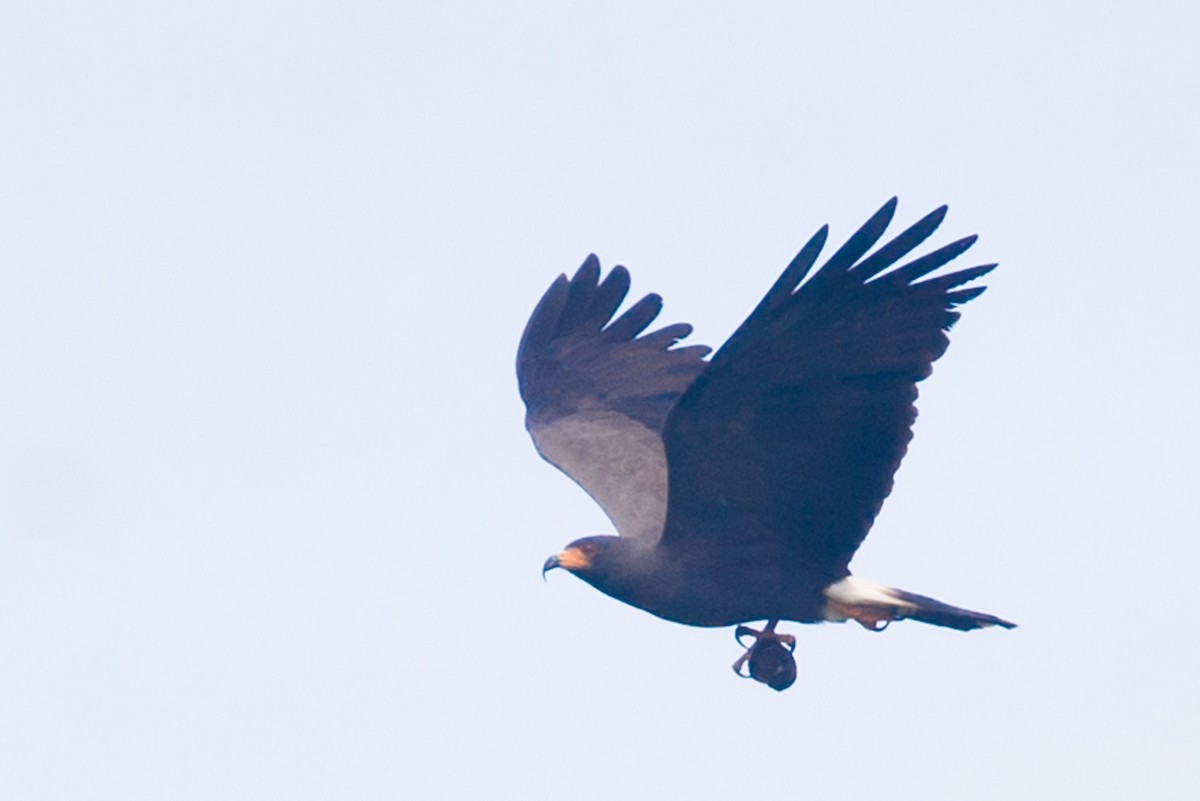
(543, 322)
(885, 214)
(588, 272)
(859, 242)
(635, 319)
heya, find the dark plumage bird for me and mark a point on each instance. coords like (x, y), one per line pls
(742, 485)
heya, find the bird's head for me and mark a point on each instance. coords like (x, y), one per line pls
(630, 569)
(582, 557)
(607, 563)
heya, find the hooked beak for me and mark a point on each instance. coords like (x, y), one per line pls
(549, 565)
(571, 559)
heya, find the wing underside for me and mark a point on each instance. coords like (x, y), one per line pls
(597, 392)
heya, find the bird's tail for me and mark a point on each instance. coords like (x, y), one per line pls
(928, 610)
(874, 606)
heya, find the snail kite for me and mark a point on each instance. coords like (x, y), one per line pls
(742, 484)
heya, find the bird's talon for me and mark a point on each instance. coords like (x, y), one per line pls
(769, 656)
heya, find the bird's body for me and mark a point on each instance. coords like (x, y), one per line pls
(690, 588)
(742, 484)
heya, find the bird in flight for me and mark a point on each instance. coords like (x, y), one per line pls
(741, 485)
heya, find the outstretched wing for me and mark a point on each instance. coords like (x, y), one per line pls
(597, 394)
(786, 445)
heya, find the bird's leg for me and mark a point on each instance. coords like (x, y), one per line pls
(768, 633)
(872, 617)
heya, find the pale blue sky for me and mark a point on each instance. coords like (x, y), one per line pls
(270, 526)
